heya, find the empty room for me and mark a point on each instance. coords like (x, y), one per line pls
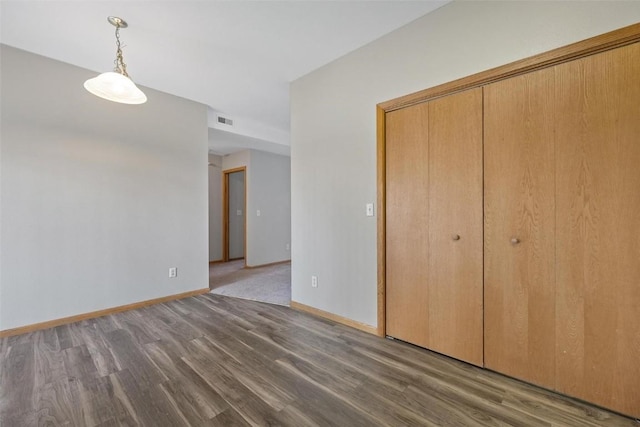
(319, 213)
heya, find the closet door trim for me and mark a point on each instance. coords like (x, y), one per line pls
(597, 44)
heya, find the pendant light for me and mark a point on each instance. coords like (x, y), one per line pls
(116, 85)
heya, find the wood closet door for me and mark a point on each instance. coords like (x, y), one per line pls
(407, 208)
(598, 228)
(519, 209)
(434, 225)
(455, 226)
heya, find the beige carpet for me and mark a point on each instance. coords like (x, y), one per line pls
(271, 284)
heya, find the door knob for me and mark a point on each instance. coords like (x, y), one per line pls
(456, 237)
(515, 240)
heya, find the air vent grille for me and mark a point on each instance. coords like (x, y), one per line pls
(225, 121)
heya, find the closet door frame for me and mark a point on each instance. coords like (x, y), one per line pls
(601, 43)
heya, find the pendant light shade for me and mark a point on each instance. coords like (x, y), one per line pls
(116, 85)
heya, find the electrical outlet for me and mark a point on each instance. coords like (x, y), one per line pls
(287, 246)
(258, 212)
(173, 272)
(314, 281)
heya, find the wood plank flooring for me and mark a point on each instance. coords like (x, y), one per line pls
(216, 361)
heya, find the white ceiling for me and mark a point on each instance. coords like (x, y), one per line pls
(237, 57)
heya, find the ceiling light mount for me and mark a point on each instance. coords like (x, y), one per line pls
(116, 85)
(117, 22)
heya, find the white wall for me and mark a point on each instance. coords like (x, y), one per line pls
(270, 192)
(215, 207)
(268, 181)
(98, 199)
(333, 153)
(236, 160)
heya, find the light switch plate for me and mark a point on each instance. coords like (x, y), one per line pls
(370, 209)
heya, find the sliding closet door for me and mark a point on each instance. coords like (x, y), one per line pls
(598, 228)
(455, 226)
(520, 227)
(407, 209)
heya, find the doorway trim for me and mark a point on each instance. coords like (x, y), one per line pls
(225, 212)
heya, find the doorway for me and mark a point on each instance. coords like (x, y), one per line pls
(234, 212)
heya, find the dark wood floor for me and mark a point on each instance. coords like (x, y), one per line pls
(216, 361)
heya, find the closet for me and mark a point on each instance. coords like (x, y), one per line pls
(512, 224)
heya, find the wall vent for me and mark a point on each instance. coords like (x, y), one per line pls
(225, 121)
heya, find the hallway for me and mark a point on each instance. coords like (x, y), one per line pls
(270, 284)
